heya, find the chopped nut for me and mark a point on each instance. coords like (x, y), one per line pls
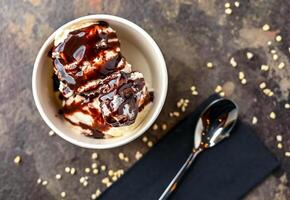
(281, 65)
(44, 183)
(63, 194)
(264, 67)
(38, 181)
(138, 155)
(287, 154)
(114, 178)
(233, 62)
(269, 43)
(94, 196)
(164, 127)
(222, 94)
(126, 159)
(177, 114)
(155, 127)
(241, 75)
(94, 156)
(51, 133)
(67, 170)
(228, 11)
(150, 144)
(82, 179)
(244, 81)
(144, 139)
(237, 4)
(278, 38)
(98, 192)
(272, 115)
(58, 176)
(227, 5)
(266, 27)
(110, 172)
(254, 120)
(249, 55)
(17, 160)
(94, 165)
(87, 170)
(275, 57)
(287, 106)
(218, 89)
(279, 145)
(279, 138)
(273, 51)
(95, 171)
(103, 167)
(72, 171)
(194, 93)
(105, 180)
(262, 85)
(108, 184)
(121, 156)
(209, 65)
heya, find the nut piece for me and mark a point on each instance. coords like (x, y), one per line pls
(233, 62)
(209, 65)
(17, 160)
(264, 67)
(67, 170)
(103, 167)
(94, 156)
(254, 120)
(44, 183)
(72, 171)
(87, 170)
(272, 115)
(278, 38)
(266, 27)
(164, 127)
(228, 11)
(51, 133)
(63, 194)
(155, 127)
(121, 156)
(279, 138)
(58, 176)
(138, 155)
(249, 55)
(144, 139)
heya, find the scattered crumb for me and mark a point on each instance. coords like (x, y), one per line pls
(155, 127)
(287, 153)
(87, 170)
(218, 89)
(273, 51)
(272, 115)
(237, 4)
(94, 165)
(51, 133)
(94, 196)
(227, 5)
(145, 139)
(209, 65)
(44, 183)
(58, 176)
(241, 75)
(67, 170)
(269, 43)
(281, 65)
(264, 67)
(275, 57)
(194, 92)
(266, 27)
(279, 146)
(138, 155)
(63, 194)
(121, 156)
(98, 192)
(279, 138)
(222, 94)
(249, 55)
(150, 144)
(38, 181)
(94, 156)
(72, 171)
(164, 127)
(262, 85)
(233, 62)
(244, 81)
(103, 167)
(254, 120)
(95, 171)
(17, 160)
(228, 11)
(287, 106)
(114, 178)
(126, 159)
(278, 38)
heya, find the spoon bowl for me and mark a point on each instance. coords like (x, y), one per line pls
(215, 123)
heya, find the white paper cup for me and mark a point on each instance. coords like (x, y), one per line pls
(139, 49)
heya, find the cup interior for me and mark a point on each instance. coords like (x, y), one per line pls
(139, 49)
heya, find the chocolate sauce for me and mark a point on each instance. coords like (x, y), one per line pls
(81, 58)
(84, 45)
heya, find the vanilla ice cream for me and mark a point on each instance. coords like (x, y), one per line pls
(101, 95)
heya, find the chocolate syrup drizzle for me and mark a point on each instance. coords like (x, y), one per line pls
(80, 48)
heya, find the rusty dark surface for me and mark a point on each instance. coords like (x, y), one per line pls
(190, 34)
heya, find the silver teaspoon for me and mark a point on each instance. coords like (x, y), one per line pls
(214, 125)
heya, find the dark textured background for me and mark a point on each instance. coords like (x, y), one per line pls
(190, 34)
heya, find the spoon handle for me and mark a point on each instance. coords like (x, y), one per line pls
(172, 185)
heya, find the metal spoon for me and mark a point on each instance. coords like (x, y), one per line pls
(214, 124)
